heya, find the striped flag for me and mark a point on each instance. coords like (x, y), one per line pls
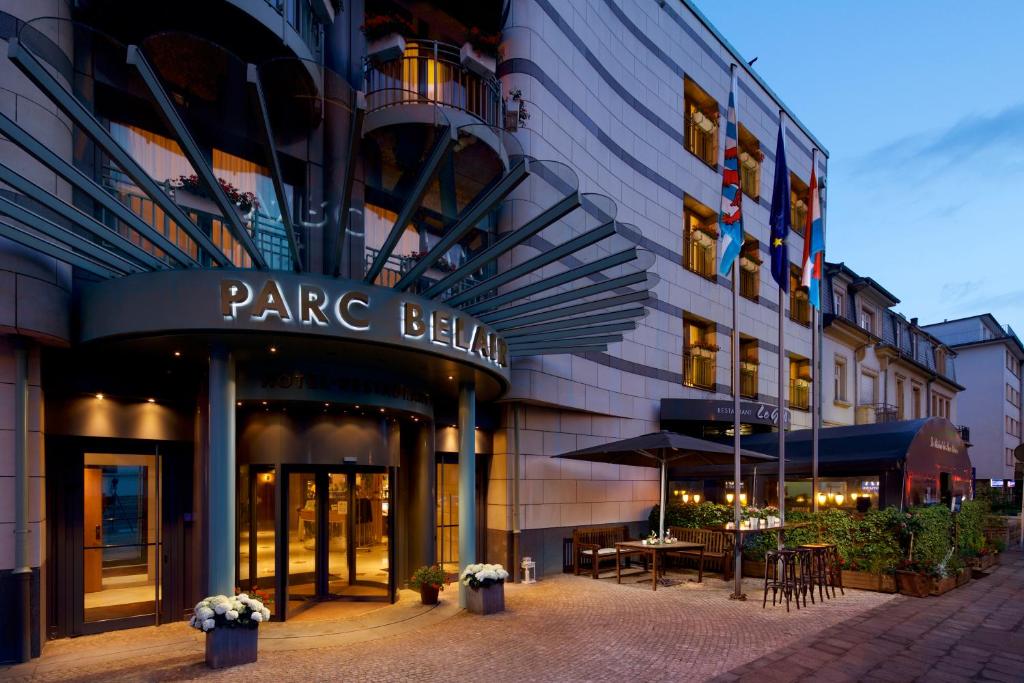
(731, 217)
(814, 245)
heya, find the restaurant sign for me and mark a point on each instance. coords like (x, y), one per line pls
(701, 410)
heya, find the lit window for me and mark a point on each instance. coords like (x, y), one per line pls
(701, 123)
(700, 237)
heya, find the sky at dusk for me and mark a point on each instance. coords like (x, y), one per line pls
(921, 106)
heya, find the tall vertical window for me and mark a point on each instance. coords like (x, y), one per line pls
(867, 319)
(748, 368)
(700, 123)
(798, 201)
(915, 400)
(800, 383)
(1012, 395)
(699, 352)
(750, 269)
(700, 239)
(901, 400)
(838, 296)
(750, 164)
(799, 304)
(839, 386)
(1012, 364)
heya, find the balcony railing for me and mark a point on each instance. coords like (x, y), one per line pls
(799, 394)
(431, 72)
(748, 380)
(877, 413)
(699, 369)
(300, 17)
(396, 266)
(749, 281)
(799, 309)
(964, 431)
(700, 258)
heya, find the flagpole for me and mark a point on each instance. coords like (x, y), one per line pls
(737, 507)
(782, 375)
(816, 376)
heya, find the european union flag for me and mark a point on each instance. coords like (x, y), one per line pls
(779, 217)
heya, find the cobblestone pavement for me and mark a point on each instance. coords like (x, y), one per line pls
(563, 628)
(973, 633)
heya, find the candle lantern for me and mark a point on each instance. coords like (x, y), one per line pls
(529, 570)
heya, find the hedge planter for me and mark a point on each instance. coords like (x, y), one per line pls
(486, 599)
(914, 584)
(943, 585)
(963, 578)
(231, 646)
(751, 568)
(868, 581)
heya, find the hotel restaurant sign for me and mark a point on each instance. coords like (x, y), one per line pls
(223, 301)
(702, 410)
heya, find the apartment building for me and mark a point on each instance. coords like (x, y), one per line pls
(989, 362)
(881, 367)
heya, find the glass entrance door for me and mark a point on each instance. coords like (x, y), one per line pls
(304, 523)
(121, 536)
(257, 532)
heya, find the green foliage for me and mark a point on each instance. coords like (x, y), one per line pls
(970, 523)
(932, 542)
(692, 515)
(999, 545)
(428, 575)
(877, 542)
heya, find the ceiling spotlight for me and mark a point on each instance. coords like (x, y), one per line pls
(177, 354)
(357, 406)
(151, 400)
(326, 405)
(273, 349)
(264, 403)
(382, 410)
(99, 396)
(239, 404)
(450, 377)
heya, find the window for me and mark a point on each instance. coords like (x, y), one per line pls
(750, 164)
(839, 390)
(750, 269)
(837, 301)
(748, 368)
(1011, 364)
(901, 401)
(898, 331)
(700, 123)
(699, 349)
(1012, 426)
(798, 199)
(940, 406)
(1012, 395)
(799, 305)
(700, 239)
(867, 319)
(915, 393)
(868, 388)
(940, 360)
(1009, 457)
(799, 383)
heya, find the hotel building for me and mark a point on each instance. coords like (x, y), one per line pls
(989, 360)
(299, 295)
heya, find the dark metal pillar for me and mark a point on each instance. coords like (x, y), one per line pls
(22, 569)
(467, 480)
(423, 500)
(221, 492)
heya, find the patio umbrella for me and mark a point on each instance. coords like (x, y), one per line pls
(661, 449)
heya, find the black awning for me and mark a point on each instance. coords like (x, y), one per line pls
(842, 451)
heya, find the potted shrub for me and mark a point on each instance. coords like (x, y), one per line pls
(231, 627)
(914, 579)
(479, 52)
(428, 580)
(385, 36)
(485, 585)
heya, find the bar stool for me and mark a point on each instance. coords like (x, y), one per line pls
(825, 569)
(805, 580)
(780, 567)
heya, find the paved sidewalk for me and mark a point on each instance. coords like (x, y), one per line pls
(564, 628)
(972, 633)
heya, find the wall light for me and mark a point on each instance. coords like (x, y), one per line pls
(696, 498)
(99, 397)
(151, 400)
(821, 499)
(840, 498)
(729, 498)
(685, 497)
(743, 499)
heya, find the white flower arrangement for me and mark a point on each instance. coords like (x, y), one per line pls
(239, 611)
(483, 575)
(654, 540)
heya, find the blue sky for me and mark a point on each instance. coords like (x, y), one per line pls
(921, 106)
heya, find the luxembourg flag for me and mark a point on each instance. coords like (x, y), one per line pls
(731, 217)
(814, 246)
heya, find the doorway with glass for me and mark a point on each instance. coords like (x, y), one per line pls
(332, 539)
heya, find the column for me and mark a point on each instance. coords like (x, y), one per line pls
(467, 480)
(221, 487)
(423, 500)
(22, 569)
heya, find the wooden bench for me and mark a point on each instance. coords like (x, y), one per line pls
(592, 545)
(717, 547)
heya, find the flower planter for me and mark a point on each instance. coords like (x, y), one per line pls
(486, 599)
(386, 48)
(231, 646)
(943, 585)
(477, 62)
(914, 584)
(868, 581)
(963, 578)
(751, 568)
(428, 594)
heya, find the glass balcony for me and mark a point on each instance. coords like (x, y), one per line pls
(431, 72)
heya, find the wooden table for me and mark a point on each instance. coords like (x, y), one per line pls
(737, 544)
(640, 548)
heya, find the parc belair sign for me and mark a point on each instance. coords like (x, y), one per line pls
(212, 301)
